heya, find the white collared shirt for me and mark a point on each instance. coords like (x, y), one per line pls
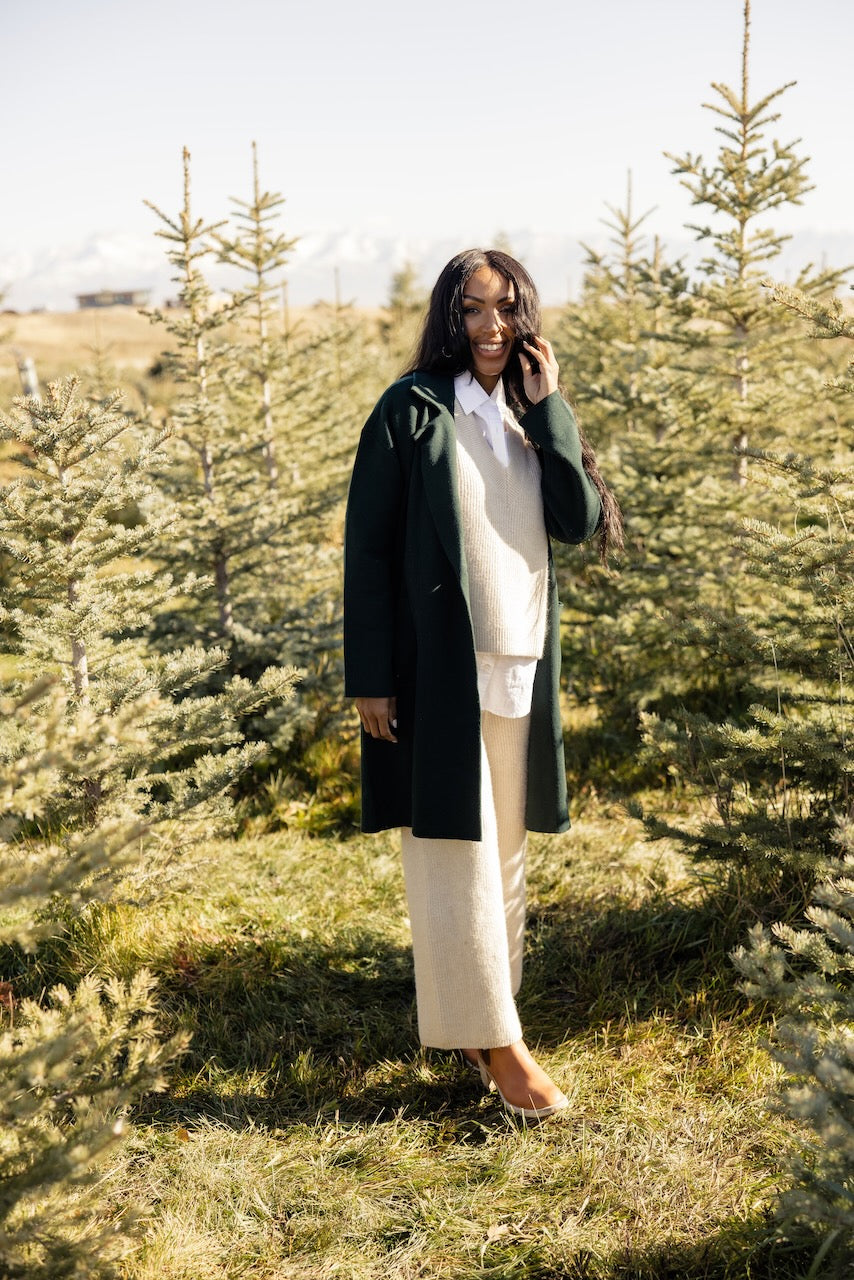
(492, 411)
(505, 682)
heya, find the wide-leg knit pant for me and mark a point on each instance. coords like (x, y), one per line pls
(467, 906)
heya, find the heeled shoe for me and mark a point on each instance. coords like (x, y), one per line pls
(527, 1113)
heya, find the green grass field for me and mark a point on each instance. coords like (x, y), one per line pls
(305, 1133)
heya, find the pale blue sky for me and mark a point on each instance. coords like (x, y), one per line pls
(443, 119)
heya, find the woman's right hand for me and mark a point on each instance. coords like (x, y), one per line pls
(378, 717)
(540, 369)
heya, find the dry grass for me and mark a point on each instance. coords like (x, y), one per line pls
(62, 342)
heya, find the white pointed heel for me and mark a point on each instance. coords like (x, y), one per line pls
(476, 1066)
(527, 1113)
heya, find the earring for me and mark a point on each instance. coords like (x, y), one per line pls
(446, 354)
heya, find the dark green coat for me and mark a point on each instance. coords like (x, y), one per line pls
(407, 623)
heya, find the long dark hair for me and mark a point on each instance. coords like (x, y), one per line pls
(443, 347)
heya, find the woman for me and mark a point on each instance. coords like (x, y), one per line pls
(466, 467)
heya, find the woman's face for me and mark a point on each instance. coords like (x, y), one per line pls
(489, 308)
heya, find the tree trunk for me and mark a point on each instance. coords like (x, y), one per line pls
(223, 594)
(742, 365)
(79, 662)
(268, 450)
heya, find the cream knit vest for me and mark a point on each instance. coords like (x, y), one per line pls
(505, 541)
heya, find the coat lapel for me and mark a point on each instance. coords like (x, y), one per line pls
(435, 439)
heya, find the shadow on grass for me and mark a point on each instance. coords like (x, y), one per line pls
(590, 964)
(310, 1031)
(253, 1002)
(740, 1250)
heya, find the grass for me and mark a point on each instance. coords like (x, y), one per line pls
(305, 1133)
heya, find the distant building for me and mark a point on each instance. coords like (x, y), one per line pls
(114, 298)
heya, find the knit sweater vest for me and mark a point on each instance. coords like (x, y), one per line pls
(505, 541)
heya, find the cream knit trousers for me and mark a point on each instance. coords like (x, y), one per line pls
(467, 906)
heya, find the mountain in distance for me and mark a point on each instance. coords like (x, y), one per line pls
(358, 264)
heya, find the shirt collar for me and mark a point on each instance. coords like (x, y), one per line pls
(472, 396)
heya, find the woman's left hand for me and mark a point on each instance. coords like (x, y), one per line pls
(539, 369)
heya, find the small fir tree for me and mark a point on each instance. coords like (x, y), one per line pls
(72, 1064)
(205, 481)
(780, 776)
(712, 364)
(781, 780)
(610, 339)
(620, 652)
(748, 348)
(333, 371)
(81, 602)
(622, 646)
(249, 535)
(279, 384)
(808, 975)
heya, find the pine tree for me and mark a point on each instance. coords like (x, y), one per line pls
(206, 480)
(279, 383)
(716, 364)
(251, 536)
(109, 768)
(271, 550)
(746, 339)
(334, 368)
(619, 653)
(610, 341)
(55, 523)
(778, 777)
(808, 974)
(622, 645)
(81, 604)
(781, 780)
(72, 1064)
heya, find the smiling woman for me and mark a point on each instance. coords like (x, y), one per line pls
(465, 469)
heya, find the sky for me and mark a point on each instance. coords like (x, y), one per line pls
(389, 123)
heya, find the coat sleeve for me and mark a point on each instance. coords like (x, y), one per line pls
(372, 550)
(570, 499)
